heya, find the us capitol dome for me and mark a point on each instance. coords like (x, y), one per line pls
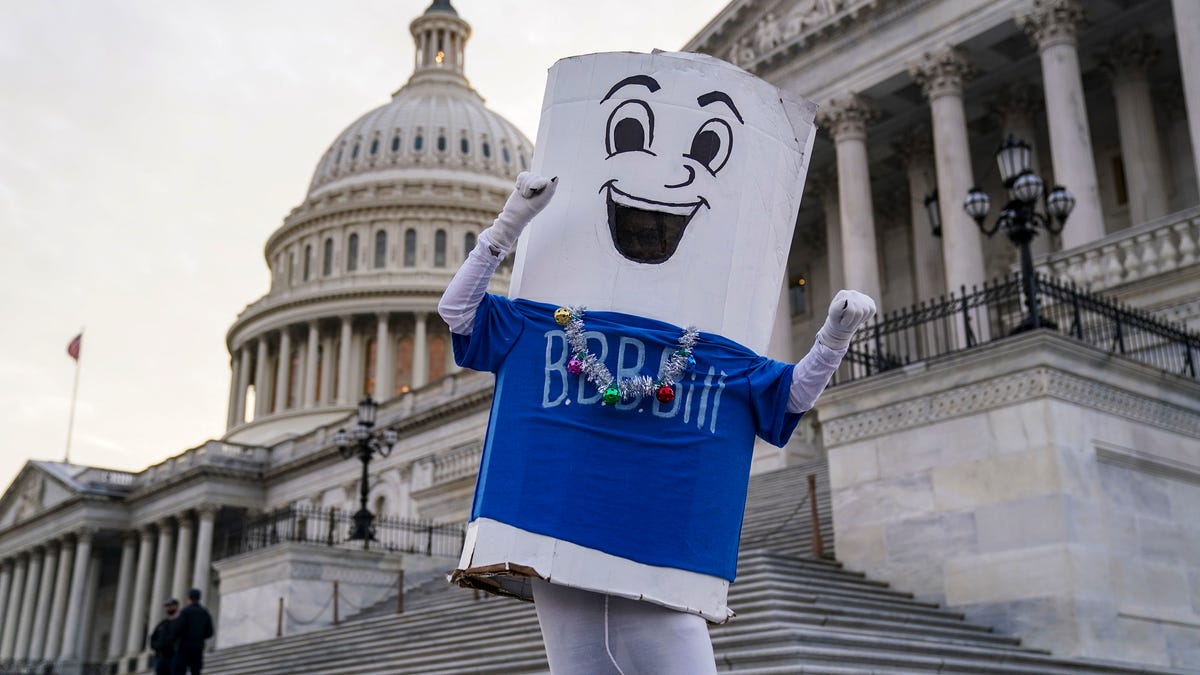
(357, 268)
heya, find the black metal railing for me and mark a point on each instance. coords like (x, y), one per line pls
(998, 309)
(332, 527)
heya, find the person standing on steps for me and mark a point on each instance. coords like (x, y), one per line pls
(192, 629)
(162, 640)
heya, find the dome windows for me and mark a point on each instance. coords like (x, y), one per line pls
(354, 152)
(487, 150)
(374, 146)
(504, 153)
(352, 254)
(327, 262)
(308, 259)
(468, 244)
(441, 143)
(339, 158)
(418, 142)
(380, 249)
(396, 143)
(439, 249)
(464, 145)
(410, 248)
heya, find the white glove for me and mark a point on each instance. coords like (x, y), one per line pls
(848, 311)
(532, 194)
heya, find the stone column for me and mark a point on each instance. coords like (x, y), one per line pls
(138, 618)
(343, 364)
(6, 572)
(310, 365)
(262, 389)
(160, 589)
(285, 367)
(824, 187)
(37, 642)
(420, 350)
(243, 375)
(1187, 34)
(120, 617)
(33, 577)
(75, 605)
(847, 119)
(916, 153)
(58, 607)
(204, 541)
(183, 558)
(941, 75)
(231, 419)
(8, 640)
(1052, 25)
(90, 586)
(383, 349)
(325, 395)
(1145, 177)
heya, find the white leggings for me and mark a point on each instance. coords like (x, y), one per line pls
(595, 634)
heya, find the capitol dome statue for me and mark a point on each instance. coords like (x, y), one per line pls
(358, 267)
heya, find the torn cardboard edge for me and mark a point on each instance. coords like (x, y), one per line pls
(509, 558)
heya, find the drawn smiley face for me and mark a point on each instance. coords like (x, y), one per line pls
(662, 179)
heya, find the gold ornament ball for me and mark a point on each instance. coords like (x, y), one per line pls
(562, 315)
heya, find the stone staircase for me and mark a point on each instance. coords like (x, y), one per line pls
(796, 614)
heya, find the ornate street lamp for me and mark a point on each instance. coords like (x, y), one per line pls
(364, 443)
(1019, 218)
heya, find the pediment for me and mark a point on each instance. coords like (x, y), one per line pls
(37, 488)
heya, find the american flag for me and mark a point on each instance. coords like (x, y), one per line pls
(74, 346)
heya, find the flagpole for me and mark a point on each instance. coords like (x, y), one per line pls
(74, 394)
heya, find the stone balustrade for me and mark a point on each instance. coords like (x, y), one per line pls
(1135, 254)
(212, 453)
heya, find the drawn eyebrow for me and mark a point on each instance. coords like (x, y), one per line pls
(644, 80)
(720, 97)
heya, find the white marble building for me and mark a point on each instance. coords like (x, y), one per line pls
(1045, 486)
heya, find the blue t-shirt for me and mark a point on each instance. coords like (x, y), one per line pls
(659, 484)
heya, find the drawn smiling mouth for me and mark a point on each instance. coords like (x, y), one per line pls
(644, 230)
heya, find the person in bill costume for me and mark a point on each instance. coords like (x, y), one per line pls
(630, 383)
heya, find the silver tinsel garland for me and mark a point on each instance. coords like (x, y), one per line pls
(630, 388)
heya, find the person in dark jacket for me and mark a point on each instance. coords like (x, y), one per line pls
(162, 640)
(193, 627)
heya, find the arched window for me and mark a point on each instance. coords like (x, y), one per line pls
(404, 366)
(327, 262)
(507, 157)
(439, 249)
(465, 146)
(369, 368)
(380, 505)
(437, 357)
(468, 244)
(418, 142)
(354, 153)
(308, 256)
(380, 249)
(410, 248)
(374, 146)
(441, 144)
(291, 279)
(487, 149)
(352, 254)
(396, 143)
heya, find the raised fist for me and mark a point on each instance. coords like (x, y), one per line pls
(848, 311)
(532, 193)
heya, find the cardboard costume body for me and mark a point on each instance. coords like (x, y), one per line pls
(629, 382)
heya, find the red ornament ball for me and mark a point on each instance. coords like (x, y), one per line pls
(665, 393)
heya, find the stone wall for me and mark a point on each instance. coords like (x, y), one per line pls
(1037, 484)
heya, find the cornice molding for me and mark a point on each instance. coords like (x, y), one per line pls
(1034, 383)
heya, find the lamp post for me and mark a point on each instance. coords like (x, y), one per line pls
(363, 442)
(1019, 218)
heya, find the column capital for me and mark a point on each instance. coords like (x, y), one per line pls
(1052, 22)
(1130, 55)
(207, 509)
(1017, 100)
(85, 534)
(941, 72)
(846, 117)
(166, 525)
(915, 145)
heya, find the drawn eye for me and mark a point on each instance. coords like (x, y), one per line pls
(711, 145)
(630, 128)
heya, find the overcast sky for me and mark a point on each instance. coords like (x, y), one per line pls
(147, 150)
